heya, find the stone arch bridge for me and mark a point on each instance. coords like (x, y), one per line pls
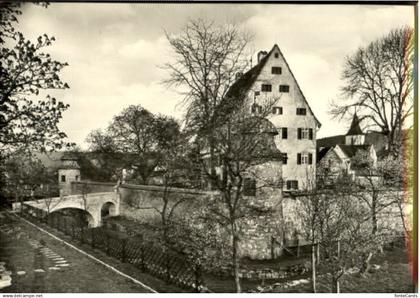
(95, 204)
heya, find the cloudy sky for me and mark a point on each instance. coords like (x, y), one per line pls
(115, 50)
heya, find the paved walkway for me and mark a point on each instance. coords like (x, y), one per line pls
(37, 263)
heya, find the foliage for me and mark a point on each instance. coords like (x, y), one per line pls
(26, 176)
(378, 84)
(26, 71)
(135, 139)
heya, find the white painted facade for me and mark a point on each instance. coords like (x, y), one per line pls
(288, 103)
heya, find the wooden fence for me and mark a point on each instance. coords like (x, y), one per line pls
(163, 263)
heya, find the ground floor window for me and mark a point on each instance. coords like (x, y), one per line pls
(291, 184)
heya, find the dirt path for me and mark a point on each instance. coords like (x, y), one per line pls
(40, 264)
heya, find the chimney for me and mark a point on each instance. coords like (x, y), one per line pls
(261, 55)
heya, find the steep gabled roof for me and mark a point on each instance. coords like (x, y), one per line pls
(241, 87)
(297, 84)
(355, 127)
(330, 141)
(321, 153)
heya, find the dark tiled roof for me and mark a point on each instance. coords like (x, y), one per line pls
(351, 150)
(355, 127)
(321, 153)
(331, 141)
(377, 139)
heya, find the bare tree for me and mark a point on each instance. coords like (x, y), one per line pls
(378, 84)
(208, 57)
(244, 145)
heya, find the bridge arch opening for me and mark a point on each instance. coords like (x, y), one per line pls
(108, 209)
(75, 216)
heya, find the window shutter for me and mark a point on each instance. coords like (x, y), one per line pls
(310, 158)
(288, 184)
(311, 136)
(299, 135)
(281, 110)
(299, 158)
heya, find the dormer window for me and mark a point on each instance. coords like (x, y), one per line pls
(284, 88)
(266, 88)
(276, 70)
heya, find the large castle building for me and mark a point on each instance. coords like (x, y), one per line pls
(272, 81)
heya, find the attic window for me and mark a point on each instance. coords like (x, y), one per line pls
(266, 88)
(277, 110)
(276, 55)
(284, 88)
(276, 70)
(301, 111)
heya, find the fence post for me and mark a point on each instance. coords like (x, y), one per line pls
(298, 249)
(93, 238)
(107, 244)
(318, 257)
(197, 275)
(82, 234)
(167, 262)
(142, 264)
(123, 252)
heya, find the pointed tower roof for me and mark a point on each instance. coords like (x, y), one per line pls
(355, 127)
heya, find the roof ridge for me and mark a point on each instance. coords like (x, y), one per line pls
(297, 84)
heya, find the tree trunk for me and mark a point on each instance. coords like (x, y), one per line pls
(318, 255)
(374, 215)
(235, 261)
(335, 285)
(313, 263)
(366, 264)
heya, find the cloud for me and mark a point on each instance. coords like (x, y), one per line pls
(115, 50)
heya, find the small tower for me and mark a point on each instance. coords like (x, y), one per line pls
(68, 172)
(355, 134)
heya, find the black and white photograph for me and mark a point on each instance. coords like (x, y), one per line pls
(224, 147)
